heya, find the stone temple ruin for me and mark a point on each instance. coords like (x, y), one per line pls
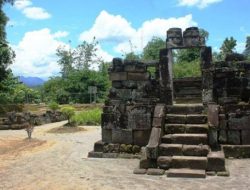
(142, 113)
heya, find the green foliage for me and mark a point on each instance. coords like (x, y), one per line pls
(228, 47)
(187, 69)
(12, 91)
(247, 48)
(54, 106)
(88, 117)
(187, 55)
(6, 54)
(152, 50)
(68, 112)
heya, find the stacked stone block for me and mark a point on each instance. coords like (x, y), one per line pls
(127, 114)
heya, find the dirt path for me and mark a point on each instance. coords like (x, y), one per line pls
(61, 162)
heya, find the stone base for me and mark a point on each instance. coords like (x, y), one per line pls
(236, 151)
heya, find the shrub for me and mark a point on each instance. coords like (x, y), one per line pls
(88, 117)
(54, 106)
(69, 112)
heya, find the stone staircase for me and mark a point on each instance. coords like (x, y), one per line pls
(185, 142)
(183, 149)
(3, 125)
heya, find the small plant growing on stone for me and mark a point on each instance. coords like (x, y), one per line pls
(54, 106)
(29, 130)
(69, 112)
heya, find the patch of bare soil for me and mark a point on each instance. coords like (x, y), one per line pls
(65, 129)
(11, 149)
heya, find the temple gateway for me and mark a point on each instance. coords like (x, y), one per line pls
(182, 127)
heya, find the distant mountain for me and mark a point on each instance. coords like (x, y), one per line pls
(31, 81)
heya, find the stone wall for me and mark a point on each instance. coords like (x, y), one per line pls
(20, 120)
(127, 114)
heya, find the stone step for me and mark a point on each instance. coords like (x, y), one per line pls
(185, 109)
(176, 118)
(186, 128)
(3, 120)
(188, 99)
(170, 149)
(183, 150)
(216, 161)
(186, 138)
(191, 162)
(186, 173)
(186, 119)
(196, 119)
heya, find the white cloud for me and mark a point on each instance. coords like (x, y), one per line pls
(32, 12)
(198, 3)
(115, 28)
(36, 54)
(110, 28)
(36, 13)
(60, 34)
(21, 4)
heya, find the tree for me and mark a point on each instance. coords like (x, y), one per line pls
(228, 46)
(152, 50)
(6, 54)
(66, 60)
(85, 55)
(247, 48)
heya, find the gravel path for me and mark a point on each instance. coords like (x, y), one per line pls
(63, 164)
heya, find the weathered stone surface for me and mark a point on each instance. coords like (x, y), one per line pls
(94, 154)
(236, 151)
(175, 128)
(118, 76)
(138, 76)
(222, 137)
(195, 150)
(124, 94)
(192, 162)
(211, 173)
(122, 136)
(233, 137)
(110, 155)
(107, 135)
(167, 139)
(216, 161)
(139, 121)
(213, 137)
(164, 162)
(222, 121)
(239, 123)
(160, 111)
(108, 121)
(98, 147)
(141, 137)
(245, 135)
(155, 171)
(213, 115)
(117, 84)
(186, 173)
(189, 139)
(177, 119)
(139, 171)
(158, 122)
(129, 84)
(196, 128)
(154, 141)
(223, 173)
(196, 119)
(170, 149)
(145, 162)
(137, 68)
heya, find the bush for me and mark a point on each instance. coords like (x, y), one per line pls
(69, 112)
(88, 117)
(187, 69)
(54, 106)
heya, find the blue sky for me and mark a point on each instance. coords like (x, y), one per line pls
(38, 27)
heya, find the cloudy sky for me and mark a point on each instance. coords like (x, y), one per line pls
(37, 28)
